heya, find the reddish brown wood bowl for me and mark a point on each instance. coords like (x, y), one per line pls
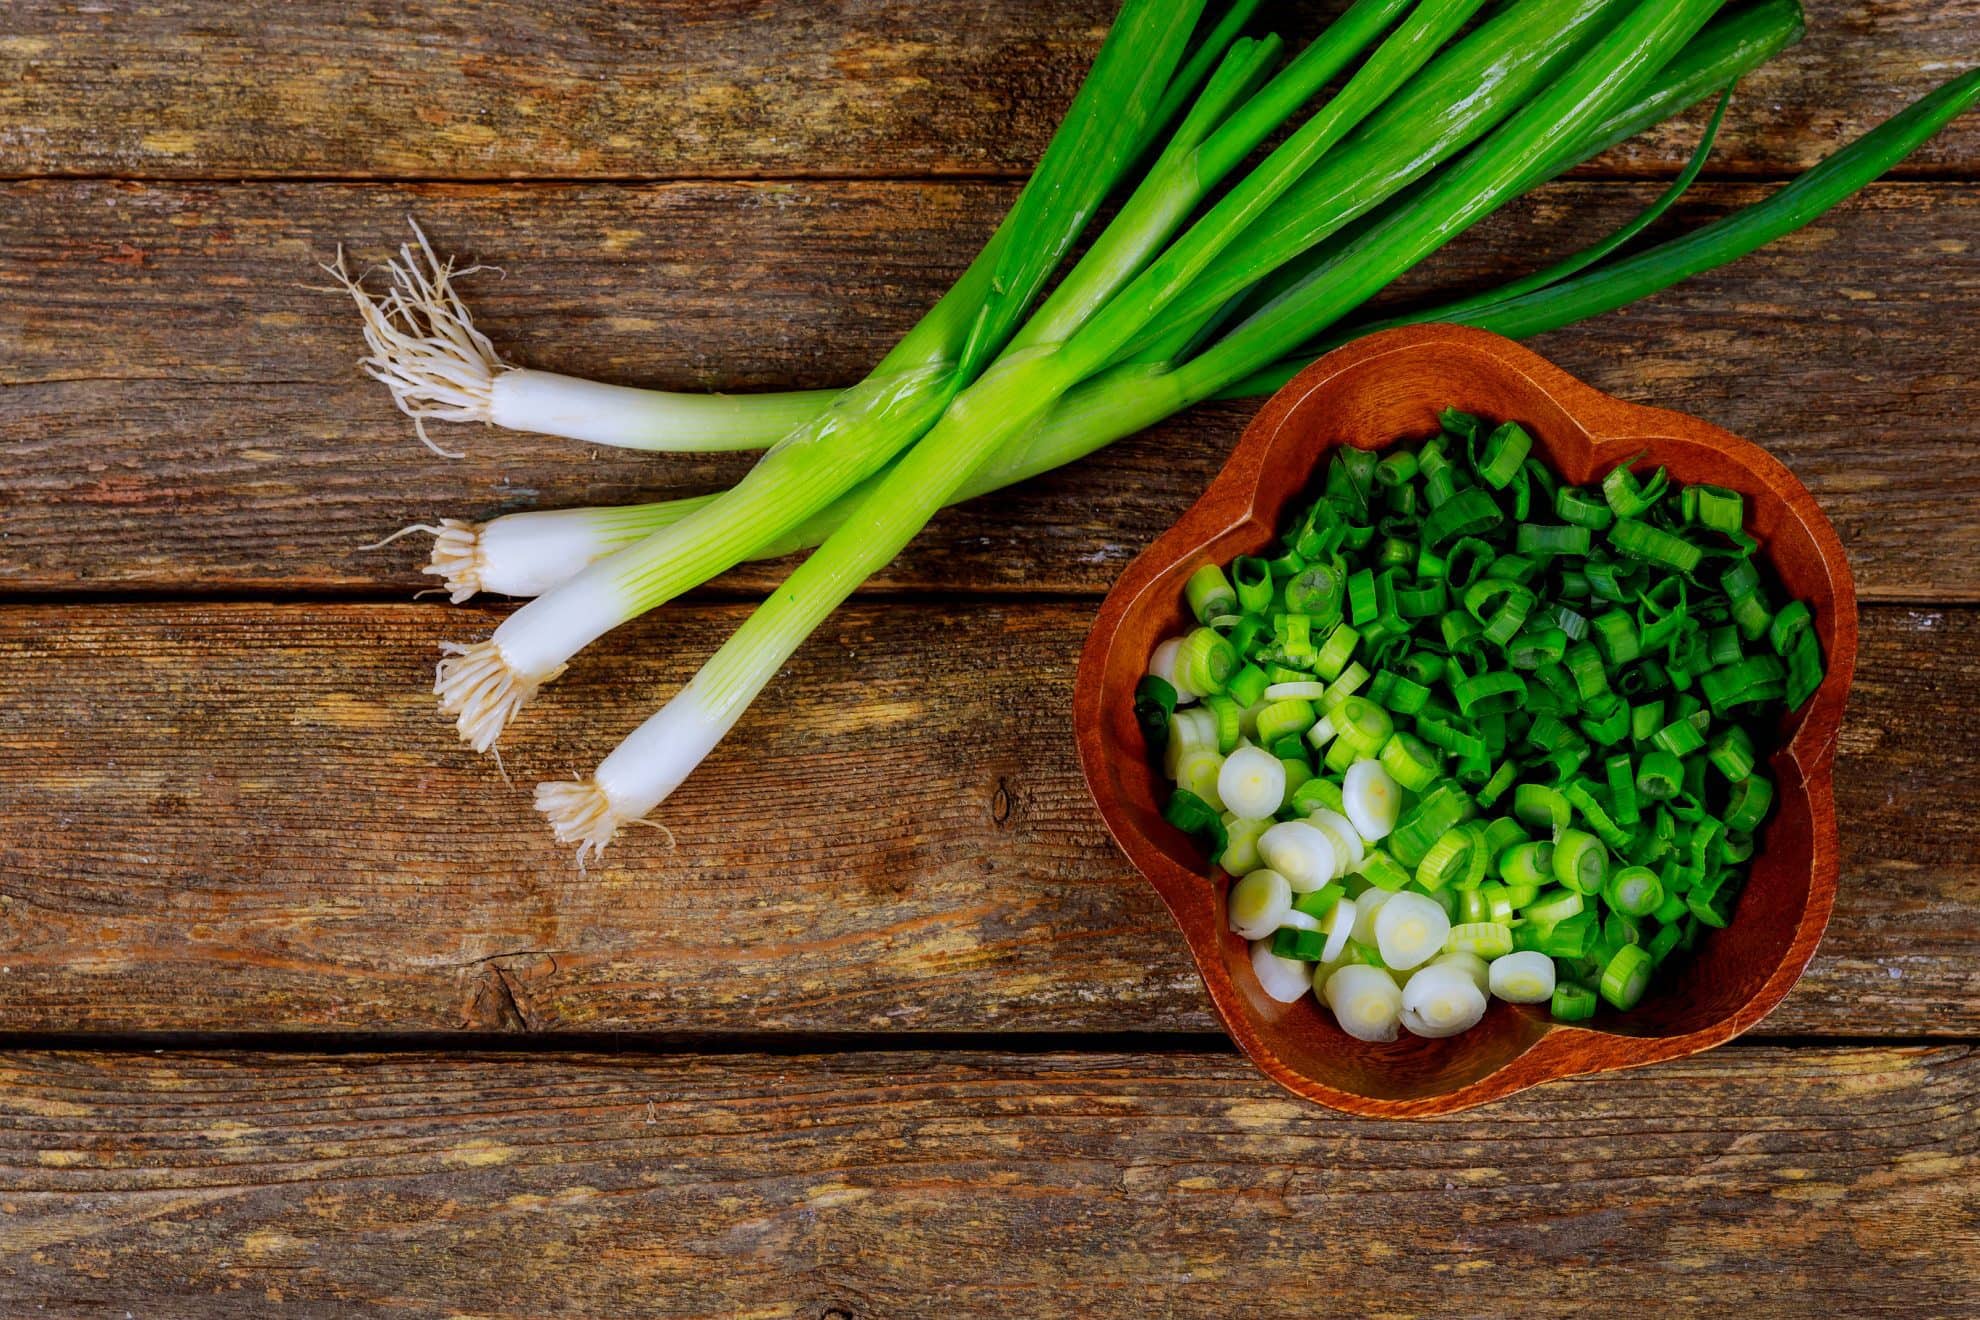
(1370, 393)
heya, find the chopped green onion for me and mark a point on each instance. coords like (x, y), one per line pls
(1210, 593)
(1639, 540)
(1578, 508)
(1659, 775)
(1247, 686)
(1626, 497)
(1634, 891)
(1252, 579)
(1420, 828)
(1756, 679)
(1383, 871)
(1732, 753)
(1192, 815)
(1206, 662)
(1448, 858)
(1626, 976)
(1541, 807)
(1580, 862)
(1315, 795)
(1409, 761)
(1487, 939)
(1752, 797)
(1572, 1003)
(1466, 513)
(1500, 691)
(1284, 718)
(1240, 854)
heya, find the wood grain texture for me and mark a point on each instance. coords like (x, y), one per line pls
(1757, 1181)
(180, 412)
(690, 88)
(248, 818)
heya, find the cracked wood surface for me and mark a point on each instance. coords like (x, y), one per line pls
(249, 818)
(1757, 1180)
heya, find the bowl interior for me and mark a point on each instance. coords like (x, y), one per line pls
(1377, 392)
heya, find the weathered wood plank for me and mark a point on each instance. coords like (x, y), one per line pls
(248, 818)
(179, 412)
(1760, 1181)
(740, 88)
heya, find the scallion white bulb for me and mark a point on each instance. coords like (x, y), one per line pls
(1366, 909)
(1441, 1001)
(1189, 731)
(1348, 849)
(1410, 930)
(1302, 854)
(1372, 799)
(1241, 843)
(1473, 965)
(1285, 979)
(1340, 928)
(1252, 782)
(1526, 977)
(1366, 1001)
(1259, 904)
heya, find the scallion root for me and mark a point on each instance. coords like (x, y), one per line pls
(477, 685)
(580, 813)
(424, 347)
(456, 558)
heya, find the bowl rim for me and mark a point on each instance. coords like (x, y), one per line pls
(1231, 502)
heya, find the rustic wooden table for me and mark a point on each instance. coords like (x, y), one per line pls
(305, 1014)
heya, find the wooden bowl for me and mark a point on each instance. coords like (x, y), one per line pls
(1380, 389)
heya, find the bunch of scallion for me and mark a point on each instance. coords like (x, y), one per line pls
(1225, 268)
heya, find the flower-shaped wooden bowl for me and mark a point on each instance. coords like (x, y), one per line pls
(1369, 394)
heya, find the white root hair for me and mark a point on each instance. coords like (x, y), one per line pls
(579, 812)
(424, 347)
(456, 557)
(479, 687)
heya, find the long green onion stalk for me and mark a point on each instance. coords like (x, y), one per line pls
(484, 685)
(1017, 389)
(1110, 122)
(425, 348)
(526, 554)
(1431, 133)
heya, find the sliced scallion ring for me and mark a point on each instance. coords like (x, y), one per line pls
(1252, 782)
(1526, 977)
(1366, 1001)
(1410, 930)
(1372, 799)
(1301, 853)
(1285, 979)
(1441, 1001)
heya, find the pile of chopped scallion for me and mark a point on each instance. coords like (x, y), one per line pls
(1261, 198)
(1472, 731)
